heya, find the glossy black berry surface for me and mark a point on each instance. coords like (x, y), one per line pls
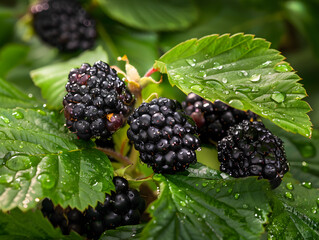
(164, 135)
(250, 149)
(213, 119)
(97, 103)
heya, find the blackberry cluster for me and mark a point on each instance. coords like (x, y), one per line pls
(164, 135)
(123, 207)
(64, 24)
(250, 149)
(213, 119)
(98, 102)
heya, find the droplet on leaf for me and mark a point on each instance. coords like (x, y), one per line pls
(278, 97)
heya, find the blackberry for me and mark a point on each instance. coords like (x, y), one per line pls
(213, 119)
(250, 149)
(164, 135)
(122, 207)
(64, 24)
(97, 103)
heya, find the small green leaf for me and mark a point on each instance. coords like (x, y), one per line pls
(52, 79)
(11, 56)
(30, 225)
(201, 204)
(123, 233)
(243, 72)
(152, 15)
(40, 159)
(299, 204)
(11, 97)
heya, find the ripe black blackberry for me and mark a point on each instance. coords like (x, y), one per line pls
(98, 102)
(164, 135)
(213, 119)
(64, 24)
(122, 207)
(250, 149)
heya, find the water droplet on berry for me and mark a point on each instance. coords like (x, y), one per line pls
(236, 104)
(6, 178)
(289, 186)
(278, 97)
(283, 67)
(307, 185)
(18, 115)
(19, 162)
(47, 180)
(255, 78)
(289, 195)
(237, 196)
(4, 119)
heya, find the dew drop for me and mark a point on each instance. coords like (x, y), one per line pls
(278, 97)
(305, 166)
(21, 146)
(183, 203)
(307, 185)
(236, 104)
(204, 184)
(19, 162)
(217, 190)
(30, 95)
(224, 80)
(255, 78)
(6, 178)
(243, 74)
(230, 190)
(4, 119)
(226, 92)
(314, 210)
(289, 186)
(244, 89)
(190, 62)
(289, 195)
(259, 214)
(47, 180)
(196, 88)
(283, 67)
(236, 196)
(245, 206)
(317, 201)
(202, 74)
(307, 151)
(267, 63)
(18, 115)
(43, 113)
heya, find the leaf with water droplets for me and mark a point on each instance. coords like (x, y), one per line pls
(231, 62)
(300, 206)
(39, 159)
(206, 204)
(123, 233)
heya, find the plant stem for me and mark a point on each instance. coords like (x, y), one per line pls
(117, 156)
(150, 72)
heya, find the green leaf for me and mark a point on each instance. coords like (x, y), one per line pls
(30, 225)
(200, 204)
(11, 56)
(11, 97)
(295, 212)
(40, 159)
(243, 72)
(123, 233)
(151, 15)
(52, 79)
